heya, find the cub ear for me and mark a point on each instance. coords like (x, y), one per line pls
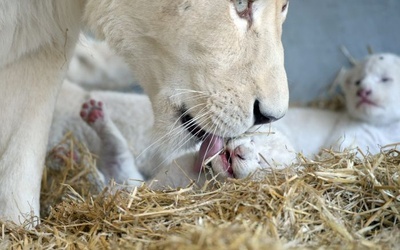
(343, 79)
(285, 9)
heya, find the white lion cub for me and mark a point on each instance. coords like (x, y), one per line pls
(372, 119)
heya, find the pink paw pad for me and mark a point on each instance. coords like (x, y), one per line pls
(92, 111)
(60, 156)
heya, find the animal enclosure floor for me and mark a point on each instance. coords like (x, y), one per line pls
(337, 202)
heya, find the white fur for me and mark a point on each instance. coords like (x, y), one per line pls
(115, 161)
(185, 53)
(95, 66)
(365, 126)
(131, 114)
(36, 44)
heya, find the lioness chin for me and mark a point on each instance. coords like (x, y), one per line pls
(212, 69)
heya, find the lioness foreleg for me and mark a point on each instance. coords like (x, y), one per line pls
(28, 91)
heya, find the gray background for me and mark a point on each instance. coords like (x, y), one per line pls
(315, 30)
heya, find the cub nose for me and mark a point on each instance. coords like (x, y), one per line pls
(259, 117)
(364, 92)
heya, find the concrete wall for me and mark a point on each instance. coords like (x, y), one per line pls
(315, 30)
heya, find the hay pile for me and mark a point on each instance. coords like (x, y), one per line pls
(337, 202)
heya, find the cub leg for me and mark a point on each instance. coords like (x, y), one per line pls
(115, 160)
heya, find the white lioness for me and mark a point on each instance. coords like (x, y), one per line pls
(211, 67)
(372, 119)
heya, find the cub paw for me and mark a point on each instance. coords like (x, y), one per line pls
(92, 111)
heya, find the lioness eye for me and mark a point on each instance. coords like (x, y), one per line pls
(241, 5)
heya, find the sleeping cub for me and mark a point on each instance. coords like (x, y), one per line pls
(372, 119)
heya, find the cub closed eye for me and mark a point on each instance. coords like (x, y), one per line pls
(386, 79)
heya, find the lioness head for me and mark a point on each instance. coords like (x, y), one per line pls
(211, 67)
(372, 89)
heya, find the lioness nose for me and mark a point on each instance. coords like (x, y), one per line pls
(259, 116)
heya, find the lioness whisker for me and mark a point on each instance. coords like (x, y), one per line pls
(169, 134)
(192, 98)
(187, 112)
(184, 140)
(176, 135)
(178, 92)
(191, 91)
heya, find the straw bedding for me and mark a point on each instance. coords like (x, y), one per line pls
(335, 202)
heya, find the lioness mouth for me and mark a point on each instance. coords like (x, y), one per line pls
(189, 124)
(211, 144)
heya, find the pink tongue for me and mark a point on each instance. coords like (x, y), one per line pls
(210, 146)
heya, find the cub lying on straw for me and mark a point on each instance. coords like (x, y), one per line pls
(372, 118)
(121, 137)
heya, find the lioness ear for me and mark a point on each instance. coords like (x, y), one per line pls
(285, 8)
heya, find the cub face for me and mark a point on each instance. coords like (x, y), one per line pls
(259, 148)
(210, 67)
(372, 89)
